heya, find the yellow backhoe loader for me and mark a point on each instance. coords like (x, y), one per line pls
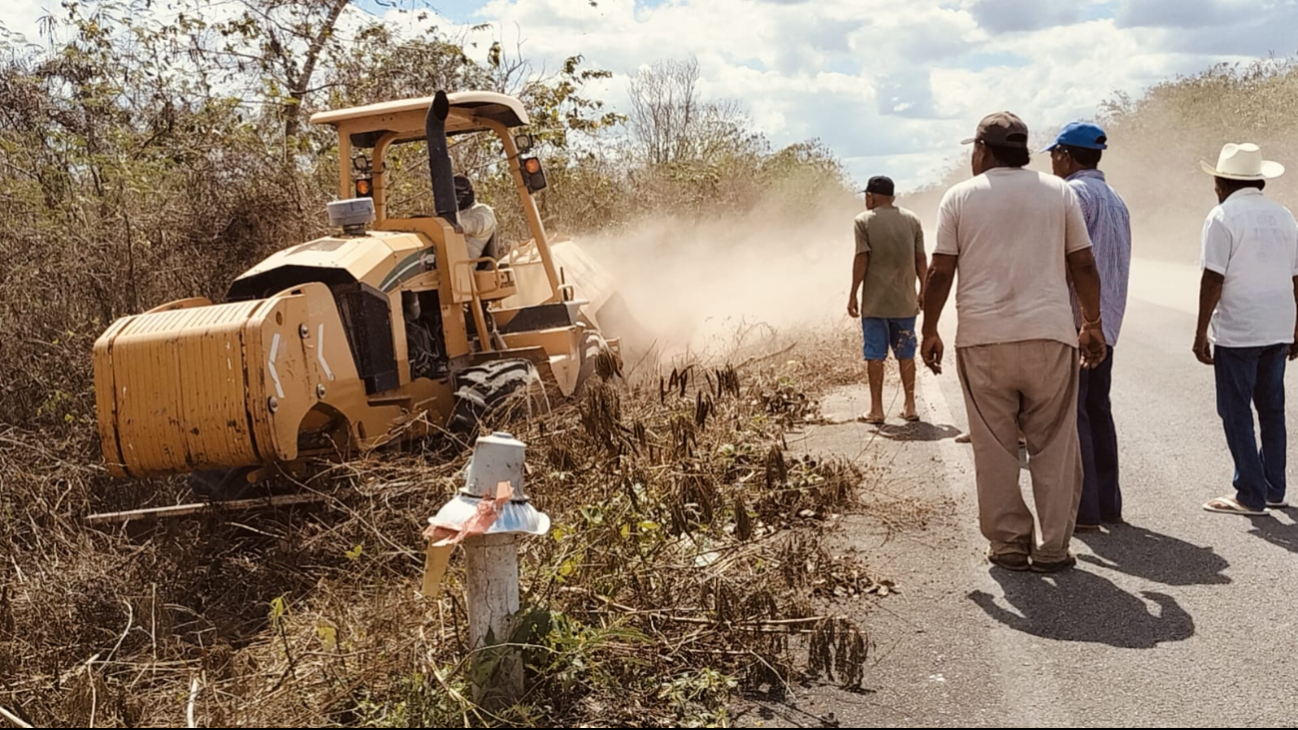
(384, 331)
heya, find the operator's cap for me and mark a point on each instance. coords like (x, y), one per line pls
(1081, 134)
(880, 185)
(1001, 129)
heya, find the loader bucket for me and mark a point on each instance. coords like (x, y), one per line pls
(589, 282)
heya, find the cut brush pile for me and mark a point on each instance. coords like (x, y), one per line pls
(685, 564)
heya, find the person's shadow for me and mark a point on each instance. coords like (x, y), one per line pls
(1081, 606)
(1160, 558)
(917, 431)
(1277, 533)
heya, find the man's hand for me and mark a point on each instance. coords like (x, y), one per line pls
(1293, 349)
(1091, 343)
(1203, 350)
(852, 311)
(931, 351)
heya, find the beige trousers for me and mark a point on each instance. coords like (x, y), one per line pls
(1030, 386)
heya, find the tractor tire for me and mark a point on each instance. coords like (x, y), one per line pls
(484, 395)
(219, 485)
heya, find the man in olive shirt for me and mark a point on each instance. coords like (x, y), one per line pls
(889, 262)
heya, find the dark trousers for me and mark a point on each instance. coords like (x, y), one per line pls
(1247, 378)
(1101, 495)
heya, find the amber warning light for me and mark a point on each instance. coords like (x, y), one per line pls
(533, 175)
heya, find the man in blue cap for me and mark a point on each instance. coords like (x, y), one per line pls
(1075, 157)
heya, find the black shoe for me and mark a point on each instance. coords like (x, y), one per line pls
(1017, 562)
(1054, 566)
(1083, 527)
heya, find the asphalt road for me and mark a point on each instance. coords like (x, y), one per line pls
(1181, 617)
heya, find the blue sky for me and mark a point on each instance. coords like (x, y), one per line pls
(890, 85)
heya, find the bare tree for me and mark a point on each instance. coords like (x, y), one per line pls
(664, 109)
(285, 41)
(668, 121)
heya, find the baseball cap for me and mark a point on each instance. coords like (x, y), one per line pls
(1001, 129)
(1081, 134)
(880, 185)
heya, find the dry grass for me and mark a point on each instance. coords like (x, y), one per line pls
(685, 563)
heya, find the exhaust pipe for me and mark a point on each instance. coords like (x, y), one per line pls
(439, 158)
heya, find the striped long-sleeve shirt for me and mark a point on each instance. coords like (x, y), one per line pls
(1109, 224)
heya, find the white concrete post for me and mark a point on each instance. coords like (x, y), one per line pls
(488, 514)
(491, 589)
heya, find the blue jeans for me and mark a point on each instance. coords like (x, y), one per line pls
(878, 333)
(1101, 494)
(1250, 377)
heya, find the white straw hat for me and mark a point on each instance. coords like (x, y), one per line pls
(1243, 162)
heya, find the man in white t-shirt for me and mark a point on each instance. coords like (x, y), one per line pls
(1248, 293)
(477, 219)
(1014, 235)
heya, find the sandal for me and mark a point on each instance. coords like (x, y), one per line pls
(873, 420)
(1083, 527)
(1231, 506)
(912, 418)
(1282, 504)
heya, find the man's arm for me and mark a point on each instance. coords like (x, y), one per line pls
(1215, 258)
(921, 261)
(1085, 277)
(1086, 282)
(1293, 349)
(937, 289)
(1209, 295)
(478, 221)
(938, 278)
(860, 265)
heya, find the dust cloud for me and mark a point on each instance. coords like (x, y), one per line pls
(703, 287)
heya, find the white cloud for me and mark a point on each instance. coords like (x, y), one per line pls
(892, 87)
(1019, 15)
(1179, 13)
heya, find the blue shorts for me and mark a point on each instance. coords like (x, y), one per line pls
(880, 332)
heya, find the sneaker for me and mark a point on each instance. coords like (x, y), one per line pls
(1017, 562)
(1054, 566)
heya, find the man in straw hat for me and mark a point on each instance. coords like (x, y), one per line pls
(1248, 293)
(1013, 233)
